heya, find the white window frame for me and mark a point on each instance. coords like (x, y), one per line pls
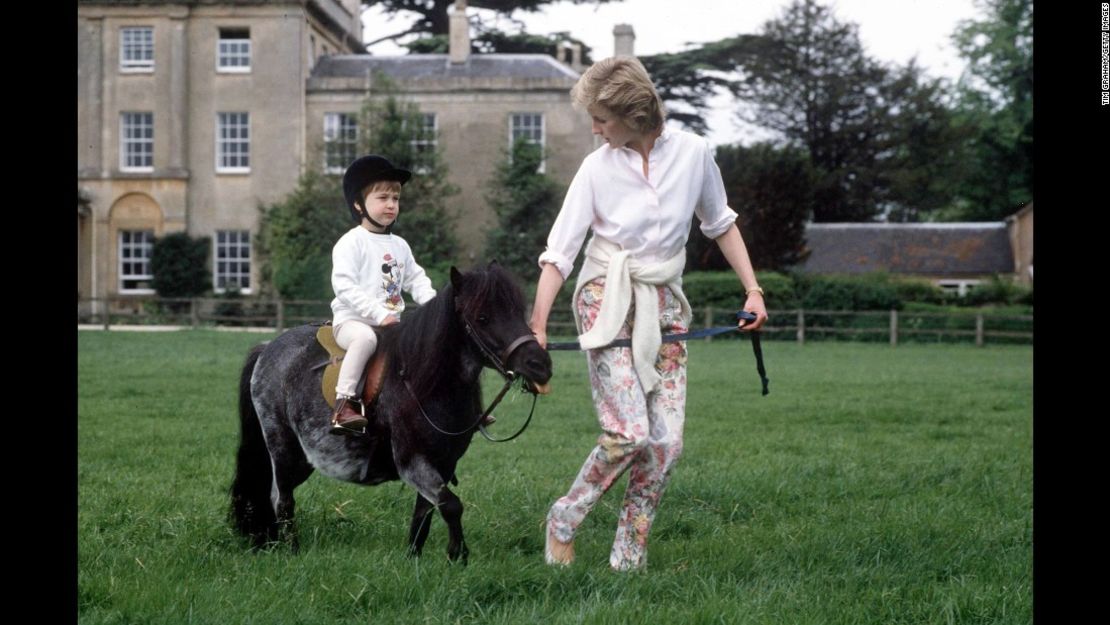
(135, 66)
(334, 141)
(514, 129)
(223, 55)
(143, 246)
(962, 287)
(126, 143)
(425, 137)
(232, 246)
(225, 142)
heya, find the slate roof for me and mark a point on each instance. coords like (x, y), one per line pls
(930, 249)
(432, 66)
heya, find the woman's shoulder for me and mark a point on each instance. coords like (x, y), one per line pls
(687, 139)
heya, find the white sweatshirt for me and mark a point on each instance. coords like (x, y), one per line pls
(368, 272)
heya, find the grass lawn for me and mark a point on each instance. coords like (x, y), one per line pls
(873, 485)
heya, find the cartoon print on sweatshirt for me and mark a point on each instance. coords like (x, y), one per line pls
(391, 271)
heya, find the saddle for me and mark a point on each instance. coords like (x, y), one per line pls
(370, 383)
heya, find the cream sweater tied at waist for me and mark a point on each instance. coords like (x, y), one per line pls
(627, 280)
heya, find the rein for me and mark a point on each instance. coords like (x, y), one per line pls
(498, 361)
(744, 315)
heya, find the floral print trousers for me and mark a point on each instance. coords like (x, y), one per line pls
(639, 432)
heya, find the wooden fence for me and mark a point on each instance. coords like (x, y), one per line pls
(798, 325)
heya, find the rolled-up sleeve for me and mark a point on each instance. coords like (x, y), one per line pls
(570, 227)
(712, 207)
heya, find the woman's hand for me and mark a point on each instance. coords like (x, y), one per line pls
(390, 320)
(540, 332)
(754, 304)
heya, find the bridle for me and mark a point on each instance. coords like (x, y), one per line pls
(497, 361)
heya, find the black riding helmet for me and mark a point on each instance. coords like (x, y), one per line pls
(363, 172)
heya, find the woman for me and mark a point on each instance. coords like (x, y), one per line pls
(638, 194)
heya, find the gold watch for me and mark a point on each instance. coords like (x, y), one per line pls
(754, 289)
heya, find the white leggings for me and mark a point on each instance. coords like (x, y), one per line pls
(358, 338)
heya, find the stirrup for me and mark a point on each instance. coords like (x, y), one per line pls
(337, 428)
(343, 430)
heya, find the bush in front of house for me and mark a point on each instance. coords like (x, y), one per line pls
(179, 264)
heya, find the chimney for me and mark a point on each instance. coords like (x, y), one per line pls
(459, 29)
(570, 54)
(624, 39)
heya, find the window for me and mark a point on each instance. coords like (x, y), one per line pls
(424, 140)
(233, 260)
(134, 261)
(959, 287)
(136, 142)
(233, 143)
(340, 141)
(233, 50)
(136, 49)
(530, 127)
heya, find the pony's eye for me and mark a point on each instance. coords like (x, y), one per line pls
(483, 319)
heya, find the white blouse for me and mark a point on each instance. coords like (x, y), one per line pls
(650, 217)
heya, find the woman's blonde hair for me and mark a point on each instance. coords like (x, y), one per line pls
(622, 85)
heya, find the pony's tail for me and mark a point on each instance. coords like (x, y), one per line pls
(251, 511)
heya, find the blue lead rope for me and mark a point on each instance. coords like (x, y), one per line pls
(757, 349)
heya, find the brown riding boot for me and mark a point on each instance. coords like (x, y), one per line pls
(347, 420)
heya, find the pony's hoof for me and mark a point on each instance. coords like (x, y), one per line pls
(461, 557)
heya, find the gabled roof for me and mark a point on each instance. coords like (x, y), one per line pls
(930, 249)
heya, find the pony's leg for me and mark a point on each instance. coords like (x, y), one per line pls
(422, 515)
(421, 475)
(281, 496)
(290, 470)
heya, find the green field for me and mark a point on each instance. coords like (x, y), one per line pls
(873, 485)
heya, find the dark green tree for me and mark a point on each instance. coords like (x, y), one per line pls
(430, 17)
(996, 97)
(686, 80)
(923, 156)
(179, 264)
(494, 40)
(771, 188)
(297, 234)
(813, 84)
(526, 203)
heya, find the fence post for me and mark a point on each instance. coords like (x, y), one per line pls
(194, 312)
(893, 327)
(280, 315)
(979, 330)
(708, 321)
(801, 327)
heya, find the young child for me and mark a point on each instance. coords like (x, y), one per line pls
(370, 267)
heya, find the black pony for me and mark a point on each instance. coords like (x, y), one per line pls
(435, 357)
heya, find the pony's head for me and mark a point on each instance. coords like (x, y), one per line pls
(490, 302)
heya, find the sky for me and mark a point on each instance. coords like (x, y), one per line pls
(891, 30)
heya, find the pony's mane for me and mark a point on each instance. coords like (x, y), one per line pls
(435, 325)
